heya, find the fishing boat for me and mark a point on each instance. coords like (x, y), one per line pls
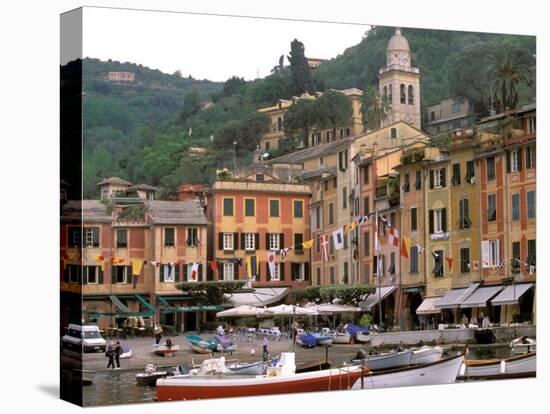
(444, 371)
(523, 345)
(386, 360)
(150, 375)
(199, 345)
(279, 379)
(254, 368)
(520, 366)
(426, 355)
(342, 338)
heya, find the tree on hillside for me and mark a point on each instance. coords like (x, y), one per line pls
(233, 85)
(246, 133)
(334, 110)
(191, 105)
(509, 68)
(280, 66)
(301, 76)
(300, 118)
(374, 108)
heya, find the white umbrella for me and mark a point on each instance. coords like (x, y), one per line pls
(332, 308)
(291, 310)
(244, 310)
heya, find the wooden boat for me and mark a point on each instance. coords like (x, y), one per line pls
(523, 345)
(426, 355)
(199, 345)
(520, 366)
(342, 338)
(362, 337)
(280, 379)
(254, 368)
(387, 360)
(444, 371)
(150, 375)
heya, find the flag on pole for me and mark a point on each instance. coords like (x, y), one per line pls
(393, 238)
(271, 263)
(193, 275)
(420, 249)
(324, 245)
(449, 260)
(338, 236)
(214, 266)
(307, 245)
(363, 220)
(352, 225)
(377, 246)
(137, 264)
(252, 265)
(405, 247)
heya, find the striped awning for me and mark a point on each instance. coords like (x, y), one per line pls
(479, 298)
(511, 294)
(118, 304)
(427, 307)
(376, 297)
(259, 297)
(455, 297)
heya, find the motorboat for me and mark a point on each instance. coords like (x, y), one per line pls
(314, 339)
(426, 355)
(519, 366)
(150, 375)
(386, 360)
(523, 345)
(254, 368)
(199, 345)
(362, 337)
(359, 333)
(342, 338)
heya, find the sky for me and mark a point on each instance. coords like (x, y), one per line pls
(206, 46)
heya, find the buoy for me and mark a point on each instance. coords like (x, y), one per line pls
(252, 351)
(502, 367)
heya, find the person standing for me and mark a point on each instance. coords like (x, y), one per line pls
(464, 320)
(109, 353)
(117, 352)
(158, 333)
(265, 354)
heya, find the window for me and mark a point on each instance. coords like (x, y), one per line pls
(516, 257)
(348, 133)
(515, 207)
(390, 95)
(192, 237)
(414, 219)
(331, 213)
(318, 243)
(366, 206)
(432, 116)
(375, 266)
(532, 252)
(514, 161)
(298, 240)
(276, 275)
(456, 175)
(439, 220)
(260, 177)
(274, 241)
(366, 244)
(91, 236)
(317, 217)
(411, 95)
(344, 197)
(169, 236)
(169, 272)
(413, 261)
(407, 183)
(531, 204)
(227, 207)
(464, 221)
(331, 275)
(418, 182)
(279, 124)
(325, 185)
(120, 274)
(393, 133)
(267, 146)
(273, 208)
(439, 177)
(249, 207)
(228, 271)
(465, 260)
(334, 182)
(531, 124)
(491, 207)
(250, 241)
(297, 271)
(346, 272)
(403, 94)
(331, 246)
(494, 253)
(318, 275)
(491, 170)
(392, 264)
(456, 107)
(438, 263)
(121, 238)
(74, 236)
(470, 172)
(529, 158)
(366, 174)
(228, 241)
(91, 274)
(298, 209)
(343, 160)
(73, 273)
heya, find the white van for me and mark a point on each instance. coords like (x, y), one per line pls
(84, 338)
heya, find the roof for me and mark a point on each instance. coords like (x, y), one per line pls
(318, 172)
(195, 188)
(176, 212)
(145, 187)
(114, 180)
(85, 210)
(398, 41)
(297, 157)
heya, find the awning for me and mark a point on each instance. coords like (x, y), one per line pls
(480, 297)
(118, 314)
(511, 294)
(376, 297)
(455, 297)
(199, 308)
(144, 302)
(427, 307)
(260, 296)
(243, 310)
(118, 303)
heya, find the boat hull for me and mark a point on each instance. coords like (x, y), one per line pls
(341, 339)
(515, 367)
(199, 349)
(206, 388)
(426, 355)
(362, 338)
(387, 361)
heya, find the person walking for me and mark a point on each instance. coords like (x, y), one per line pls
(117, 351)
(158, 333)
(265, 354)
(109, 353)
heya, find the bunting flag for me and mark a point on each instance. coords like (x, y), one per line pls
(283, 252)
(405, 247)
(252, 266)
(307, 245)
(271, 263)
(99, 258)
(117, 260)
(137, 264)
(501, 265)
(532, 269)
(352, 225)
(345, 228)
(449, 260)
(393, 238)
(420, 249)
(324, 245)
(214, 266)
(363, 220)
(338, 236)
(155, 263)
(193, 275)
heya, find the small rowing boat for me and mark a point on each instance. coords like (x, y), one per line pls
(520, 366)
(426, 355)
(386, 360)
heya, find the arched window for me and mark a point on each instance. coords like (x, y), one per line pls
(385, 91)
(279, 124)
(390, 94)
(411, 95)
(403, 94)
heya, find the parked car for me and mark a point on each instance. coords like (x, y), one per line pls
(84, 338)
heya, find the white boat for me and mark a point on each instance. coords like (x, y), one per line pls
(523, 345)
(126, 352)
(426, 355)
(387, 360)
(443, 371)
(341, 338)
(362, 338)
(150, 375)
(514, 367)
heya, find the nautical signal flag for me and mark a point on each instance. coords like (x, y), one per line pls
(324, 245)
(405, 247)
(393, 238)
(214, 266)
(137, 264)
(251, 266)
(449, 260)
(338, 236)
(271, 263)
(193, 275)
(307, 245)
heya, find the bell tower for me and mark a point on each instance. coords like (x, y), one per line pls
(400, 83)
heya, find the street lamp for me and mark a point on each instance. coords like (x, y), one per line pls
(234, 157)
